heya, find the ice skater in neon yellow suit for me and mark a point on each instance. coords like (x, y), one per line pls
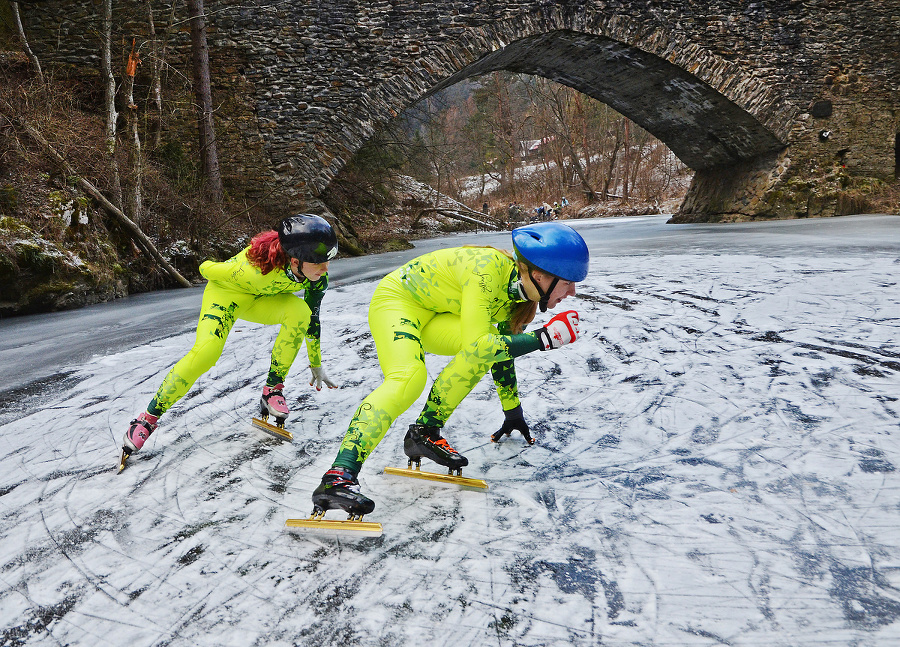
(471, 303)
(257, 285)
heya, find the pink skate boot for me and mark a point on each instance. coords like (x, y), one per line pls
(272, 403)
(139, 432)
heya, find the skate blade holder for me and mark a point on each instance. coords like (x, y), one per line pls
(450, 478)
(122, 460)
(278, 431)
(354, 523)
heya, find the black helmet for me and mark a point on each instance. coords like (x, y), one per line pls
(308, 238)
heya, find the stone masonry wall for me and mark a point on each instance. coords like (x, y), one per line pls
(778, 105)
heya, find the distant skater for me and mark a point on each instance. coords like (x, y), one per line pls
(471, 303)
(257, 285)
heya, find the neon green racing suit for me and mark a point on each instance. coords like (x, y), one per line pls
(237, 289)
(455, 302)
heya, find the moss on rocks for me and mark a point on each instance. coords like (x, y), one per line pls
(39, 276)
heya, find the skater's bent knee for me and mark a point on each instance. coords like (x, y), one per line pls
(295, 312)
(203, 357)
(406, 385)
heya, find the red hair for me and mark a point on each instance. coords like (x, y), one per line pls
(265, 252)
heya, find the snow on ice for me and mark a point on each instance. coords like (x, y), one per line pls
(715, 465)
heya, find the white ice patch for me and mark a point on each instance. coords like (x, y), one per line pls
(715, 464)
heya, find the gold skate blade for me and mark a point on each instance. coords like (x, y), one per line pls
(432, 476)
(318, 523)
(122, 461)
(273, 430)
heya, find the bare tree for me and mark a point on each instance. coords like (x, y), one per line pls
(34, 59)
(110, 100)
(441, 150)
(155, 76)
(155, 60)
(135, 200)
(502, 119)
(610, 179)
(157, 57)
(203, 97)
(505, 131)
(569, 117)
(625, 168)
(551, 106)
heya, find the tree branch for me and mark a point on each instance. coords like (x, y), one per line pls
(137, 235)
(458, 216)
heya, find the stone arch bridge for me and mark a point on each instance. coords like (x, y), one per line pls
(781, 107)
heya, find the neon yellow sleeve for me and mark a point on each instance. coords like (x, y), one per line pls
(238, 273)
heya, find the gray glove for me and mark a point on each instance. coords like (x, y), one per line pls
(318, 377)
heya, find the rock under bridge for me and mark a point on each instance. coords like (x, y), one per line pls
(783, 108)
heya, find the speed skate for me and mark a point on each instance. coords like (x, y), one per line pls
(277, 430)
(317, 521)
(413, 470)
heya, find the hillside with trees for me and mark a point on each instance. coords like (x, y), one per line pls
(510, 139)
(110, 182)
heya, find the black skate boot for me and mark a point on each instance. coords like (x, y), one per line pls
(426, 441)
(340, 489)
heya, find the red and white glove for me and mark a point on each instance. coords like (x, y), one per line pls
(559, 331)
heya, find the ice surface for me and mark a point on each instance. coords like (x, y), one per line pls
(715, 465)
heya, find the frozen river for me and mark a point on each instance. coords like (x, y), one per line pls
(715, 465)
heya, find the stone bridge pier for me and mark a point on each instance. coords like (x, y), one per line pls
(783, 108)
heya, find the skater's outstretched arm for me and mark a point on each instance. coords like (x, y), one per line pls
(313, 296)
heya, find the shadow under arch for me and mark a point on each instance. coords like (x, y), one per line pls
(720, 119)
(702, 126)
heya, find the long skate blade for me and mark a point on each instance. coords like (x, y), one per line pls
(273, 430)
(122, 461)
(432, 476)
(327, 524)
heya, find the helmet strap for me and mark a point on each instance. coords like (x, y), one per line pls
(527, 288)
(290, 274)
(533, 289)
(545, 296)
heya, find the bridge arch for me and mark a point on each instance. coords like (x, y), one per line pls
(708, 111)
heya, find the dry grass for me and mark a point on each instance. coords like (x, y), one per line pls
(70, 117)
(887, 199)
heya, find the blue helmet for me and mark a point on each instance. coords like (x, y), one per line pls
(554, 248)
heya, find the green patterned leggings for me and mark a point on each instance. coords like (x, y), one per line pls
(220, 309)
(403, 331)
